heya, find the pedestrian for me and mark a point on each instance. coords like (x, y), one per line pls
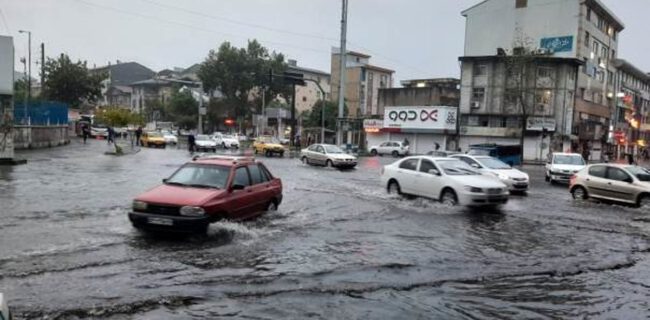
(437, 146)
(630, 158)
(406, 142)
(191, 141)
(138, 133)
(109, 135)
(309, 140)
(85, 132)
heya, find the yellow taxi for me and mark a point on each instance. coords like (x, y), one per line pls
(153, 139)
(268, 146)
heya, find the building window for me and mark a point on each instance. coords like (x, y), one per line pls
(543, 97)
(614, 34)
(613, 54)
(513, 122)
(595, 48)
(304, 99)
(544, 72)
(610, 77)
(571, 73)
(480, 70)
(478, 95)
(521, 3)
(600, 75)
(587, 39)
(604, 52)
(588, 14)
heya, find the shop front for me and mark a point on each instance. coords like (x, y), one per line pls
(426, 128)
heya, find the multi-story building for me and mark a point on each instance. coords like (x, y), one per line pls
(362, 83)
(631, 116)
(423, 111)
(580, 29)
(309, 94)
(116, 90)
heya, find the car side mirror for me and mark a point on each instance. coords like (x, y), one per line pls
(434, 172)
(474, 165)
(629, 180)
(237, 187)
(165, 180)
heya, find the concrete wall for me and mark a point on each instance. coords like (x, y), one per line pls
(28, 137)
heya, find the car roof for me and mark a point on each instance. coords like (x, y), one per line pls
(566, 154)
(223, 160)
(430, 158)
(616, 165)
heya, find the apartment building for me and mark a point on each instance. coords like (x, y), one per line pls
(309, 94)
(631, 116)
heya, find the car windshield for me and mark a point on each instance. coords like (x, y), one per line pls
(155, 135)
(268, 140)
(479, 152)
(457, 168)
(202, 137)
(640, 173)
(332, 149)
(200, 176)
(571, 160)
(493, 163)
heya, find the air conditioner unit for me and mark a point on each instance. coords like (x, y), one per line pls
(475, 105)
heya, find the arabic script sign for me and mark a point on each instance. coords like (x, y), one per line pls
(558, 44)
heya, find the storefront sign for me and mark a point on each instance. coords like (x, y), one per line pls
(421, 118)
(558, 44)
(372, 125)
(540, 123)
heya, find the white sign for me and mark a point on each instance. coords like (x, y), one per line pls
(539, 123)
(421, 118)
(373, 124)
(6, 65)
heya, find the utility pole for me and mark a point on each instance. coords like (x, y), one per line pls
(201, 110)
(42, 66)
(322, 116)
(343, 52)
(293, 115)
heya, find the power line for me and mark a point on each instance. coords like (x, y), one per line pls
(195, 27)
(240, 22)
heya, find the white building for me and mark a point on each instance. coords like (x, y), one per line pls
(6, 97)
(580, 29)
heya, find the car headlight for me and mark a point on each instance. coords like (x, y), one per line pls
(503, 176)
(192, 211)
(139, 205)
(473, 189)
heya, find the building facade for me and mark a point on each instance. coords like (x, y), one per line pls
(362, 83)
(425, 112)
(309, 94)
(581, 29)
(631, 116)
(116, 90)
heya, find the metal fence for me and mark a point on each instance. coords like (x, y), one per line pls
(41, 113)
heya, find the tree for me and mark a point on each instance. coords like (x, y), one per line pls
(313, 119)
(119, 117)
(241, 74)
(183, 109)
(20, 89)
(71, 82)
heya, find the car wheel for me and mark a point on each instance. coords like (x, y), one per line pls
(329, 163)
(395, 154)
(394, 188)
(579, 193)
(547, 178)
(281, 154)
(272, 207)
(373, 152)
(449, 198)
(644, 202)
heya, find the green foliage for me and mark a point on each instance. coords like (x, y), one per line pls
(313, 118)
(20, 89)
(236, 72)
(119, 117)
(71, 82)
(183, 109)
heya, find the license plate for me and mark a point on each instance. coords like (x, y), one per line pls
(161, 221)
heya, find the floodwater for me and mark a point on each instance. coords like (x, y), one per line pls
(338, 248)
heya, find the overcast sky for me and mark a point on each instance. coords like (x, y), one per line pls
(417, 38)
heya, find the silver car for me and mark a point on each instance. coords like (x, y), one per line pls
(327, 155)
(616, 182)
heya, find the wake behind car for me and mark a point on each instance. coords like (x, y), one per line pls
(615, 182)
(447, 180)
(327, 155)
(561, 166)
(207, 190)
(516, 180)
(205, 143)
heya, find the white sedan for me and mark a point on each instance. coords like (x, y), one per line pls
(447, 180)
(226, 141)
(327, 155)
(204, 143)
(170, 138)
(516, 180)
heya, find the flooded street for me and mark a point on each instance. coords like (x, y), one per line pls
(338, 247)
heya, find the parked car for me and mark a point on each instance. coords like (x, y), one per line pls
(616, 182)
(268, 146)
(153, 139)
(517, 181)
(448, 180)
(561, 166)
(170, 138)
(4, 309)
(205, 143)
(206, 190)
(225, 141)
(510, 154)
(394, 148)
(327, 155)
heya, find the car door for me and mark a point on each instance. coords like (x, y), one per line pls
(596, 181)
(407, 174)
(242, 202)
(428, 184)
(382, 148)
(620, 185)
(260, 188)
(319, 155)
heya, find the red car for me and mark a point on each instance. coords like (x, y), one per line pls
(206, 190)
